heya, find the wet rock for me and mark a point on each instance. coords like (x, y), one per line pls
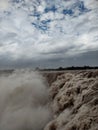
(75, 101)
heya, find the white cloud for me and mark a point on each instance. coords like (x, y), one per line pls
(4, 4)
(74, 34)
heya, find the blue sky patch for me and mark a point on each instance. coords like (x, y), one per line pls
(53, 9)
(67, 11)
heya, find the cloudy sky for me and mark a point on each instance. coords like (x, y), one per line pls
(48, 33)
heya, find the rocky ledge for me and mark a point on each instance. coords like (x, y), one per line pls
(74, 100)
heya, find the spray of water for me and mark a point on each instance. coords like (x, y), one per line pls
(23, 101)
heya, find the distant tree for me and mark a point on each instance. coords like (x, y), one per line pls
(60, 68)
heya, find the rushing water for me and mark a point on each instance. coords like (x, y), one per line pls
(23, 101)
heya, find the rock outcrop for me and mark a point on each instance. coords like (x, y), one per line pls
(74, 101)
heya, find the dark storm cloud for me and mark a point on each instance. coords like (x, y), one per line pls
(88, 58)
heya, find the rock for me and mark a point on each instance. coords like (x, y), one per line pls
(74, 101)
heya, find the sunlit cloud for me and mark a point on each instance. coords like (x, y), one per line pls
(4, 5)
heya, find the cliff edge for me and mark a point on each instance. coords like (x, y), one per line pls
(74, 101)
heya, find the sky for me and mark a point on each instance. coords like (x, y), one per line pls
(48, 33)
